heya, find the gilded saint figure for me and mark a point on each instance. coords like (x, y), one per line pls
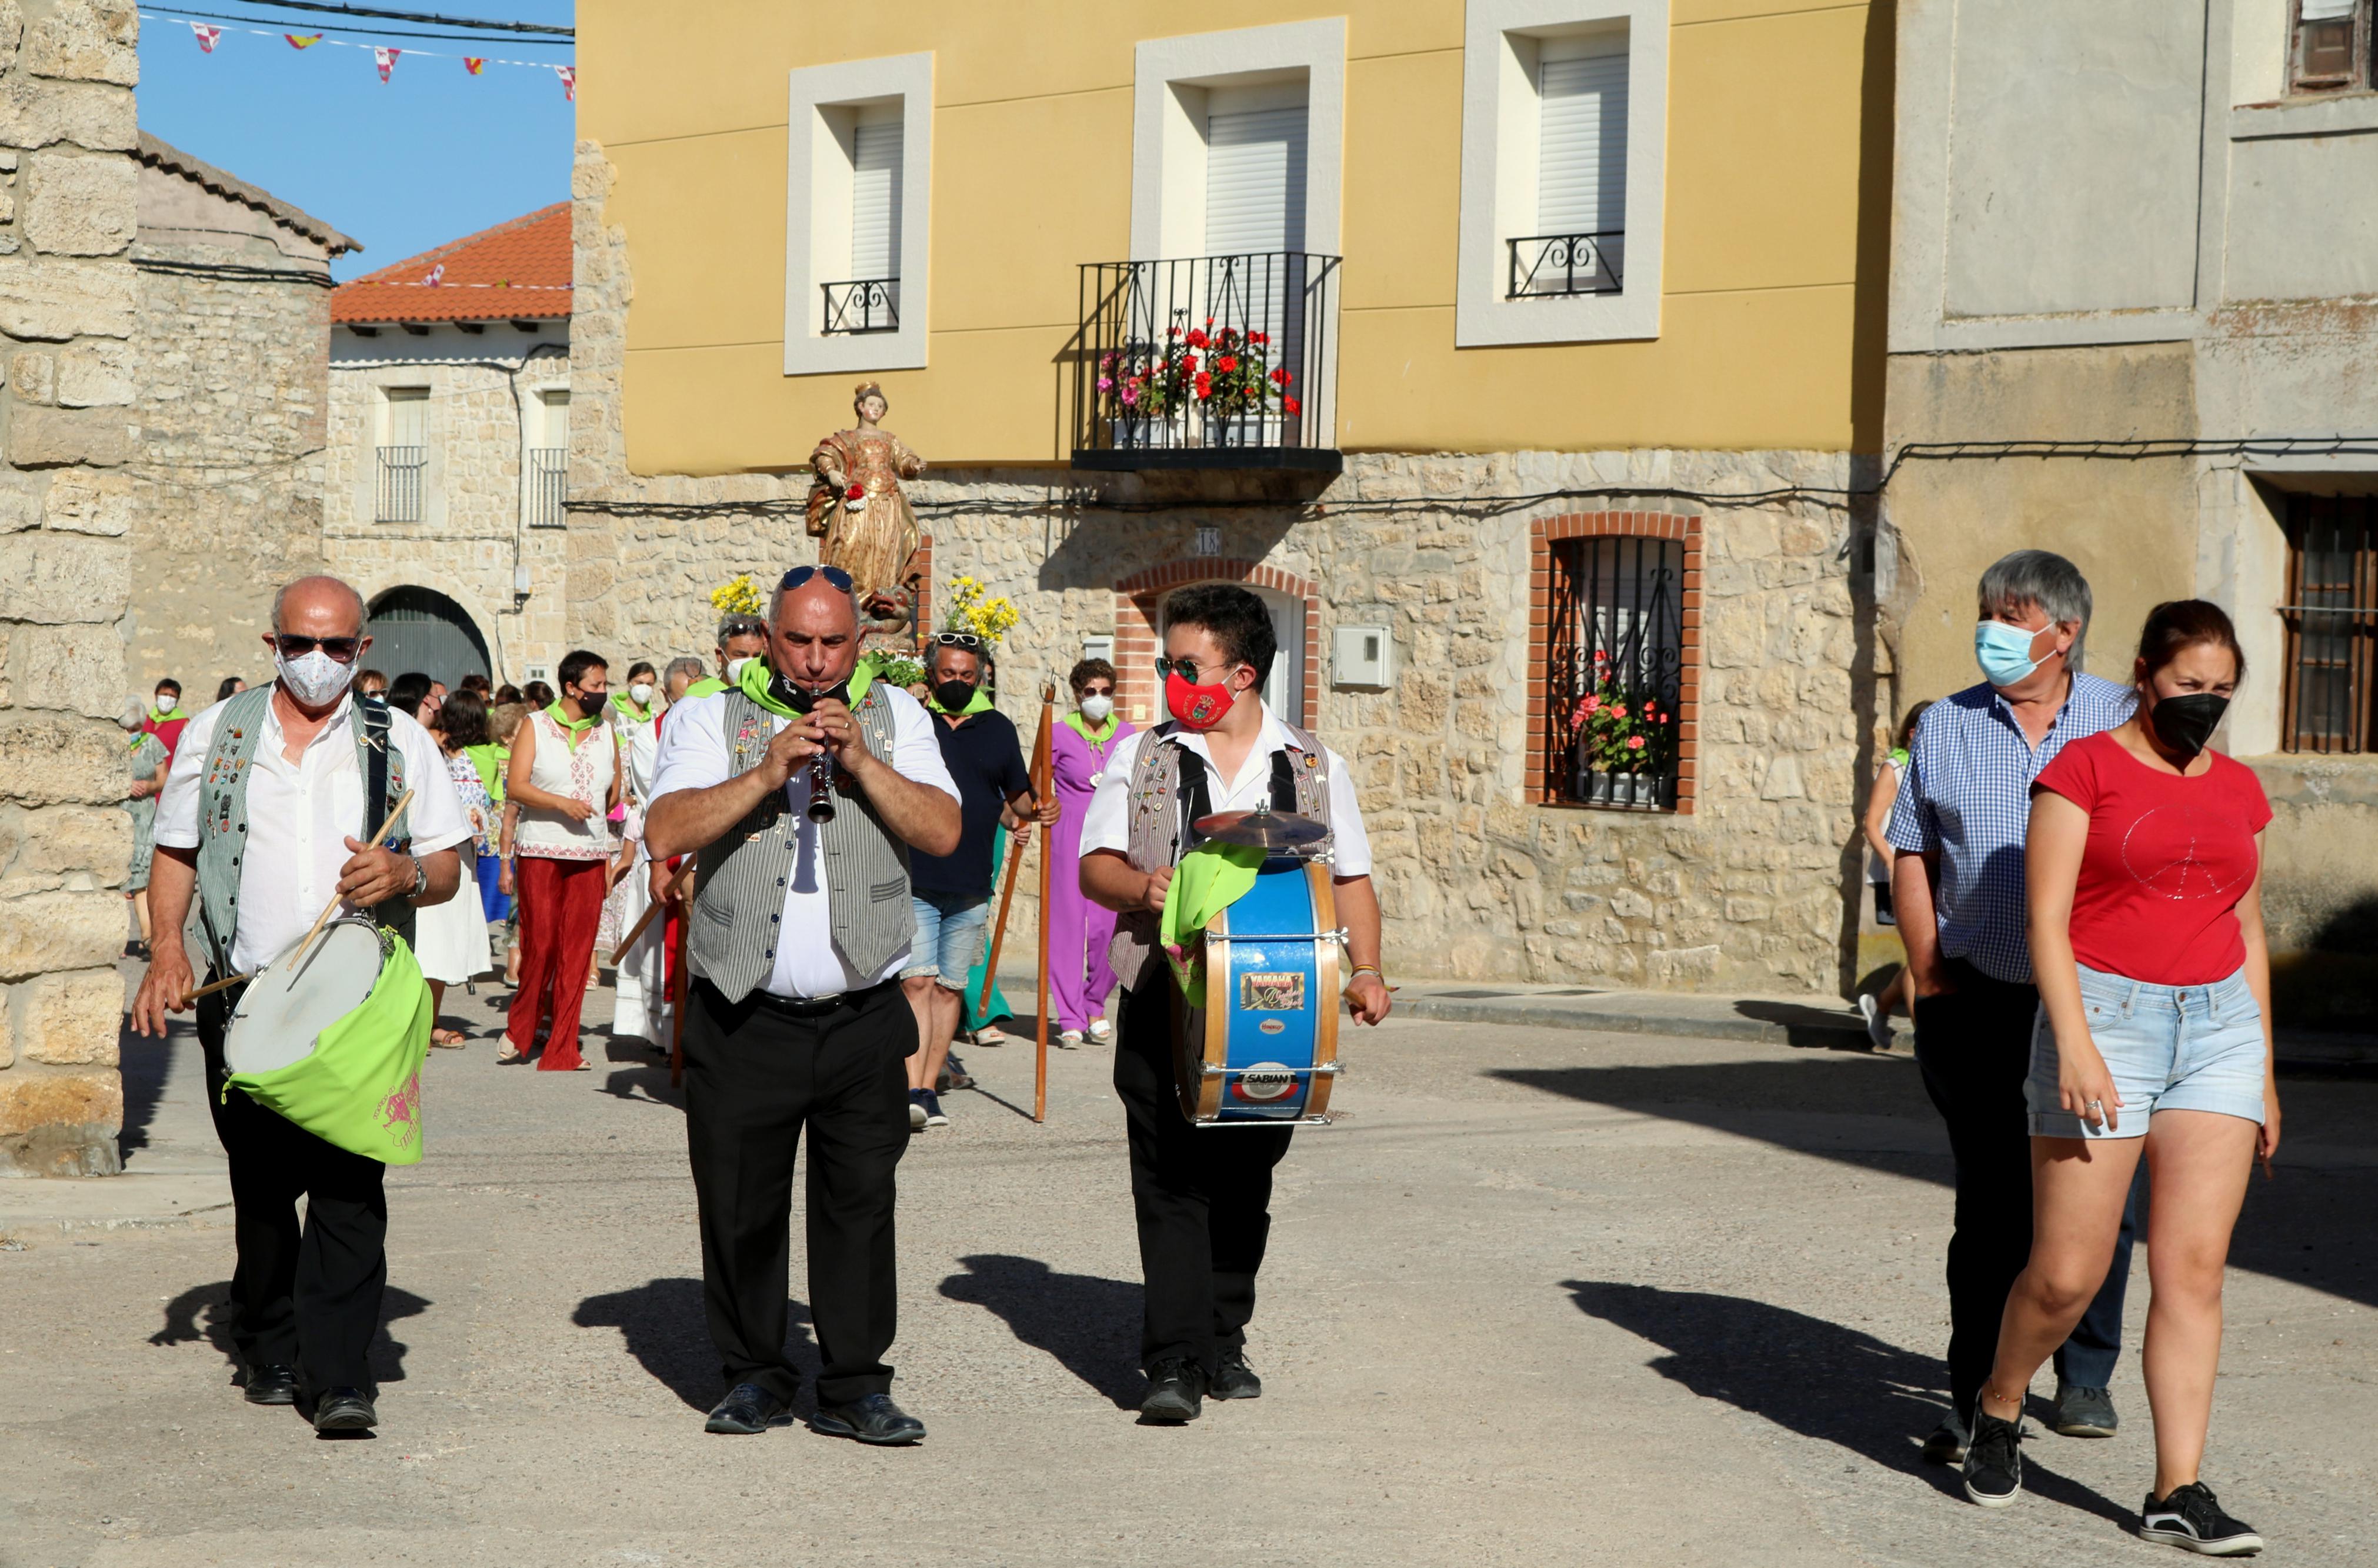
(859, 515)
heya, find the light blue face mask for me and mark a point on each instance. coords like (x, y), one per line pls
(2004, 652)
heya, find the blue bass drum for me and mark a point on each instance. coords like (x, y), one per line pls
(1264, 1048)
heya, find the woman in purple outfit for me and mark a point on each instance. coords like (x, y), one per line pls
(1079, 930)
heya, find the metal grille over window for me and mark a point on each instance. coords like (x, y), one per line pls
(1614, 667)
(2331, 621)
(870, 300)
(400, 483)
(1580, 172)
(548, 486)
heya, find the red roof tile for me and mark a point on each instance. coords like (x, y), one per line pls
(516, 270)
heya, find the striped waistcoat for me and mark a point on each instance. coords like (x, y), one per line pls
(738, 899)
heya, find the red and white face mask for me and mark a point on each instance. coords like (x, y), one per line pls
(1198, 708)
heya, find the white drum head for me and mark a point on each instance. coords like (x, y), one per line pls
(287, 1006)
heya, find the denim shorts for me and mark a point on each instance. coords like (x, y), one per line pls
(950, 933)
(2167, 1048)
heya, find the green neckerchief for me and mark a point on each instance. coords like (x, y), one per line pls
(156, 718)
(708, 686)
(626, 705)
(981, 704)
(755, 677)
(490, 758)
(572, 730)
(137, 741)
(1081, 726)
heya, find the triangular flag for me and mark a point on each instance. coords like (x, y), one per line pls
(303, 40)
(475, 64)
(385, 58)
(206, 36)
(569, 74)
(437, 275)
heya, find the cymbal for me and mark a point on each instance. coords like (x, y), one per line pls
(1261, 829)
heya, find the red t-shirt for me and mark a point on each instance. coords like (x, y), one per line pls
(2166, 862)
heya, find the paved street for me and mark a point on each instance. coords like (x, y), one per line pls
(1540, 1297)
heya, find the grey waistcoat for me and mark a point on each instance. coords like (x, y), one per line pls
(739, 901)
(222, 810)
(1160, 837)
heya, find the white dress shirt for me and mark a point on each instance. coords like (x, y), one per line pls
(300, 815)
(1106, 824)
(694, 754)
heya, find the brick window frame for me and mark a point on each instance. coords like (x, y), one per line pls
(1135, 632)
(1542, 534)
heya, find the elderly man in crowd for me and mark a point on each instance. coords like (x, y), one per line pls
(1957, 880)
(272, 798)
(741, 639)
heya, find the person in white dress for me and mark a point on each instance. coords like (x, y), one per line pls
(450, 938)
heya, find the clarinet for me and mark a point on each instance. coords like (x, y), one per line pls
(821, 808)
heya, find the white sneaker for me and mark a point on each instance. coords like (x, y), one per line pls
(1070, 1039)
(1102, 1032)
(1878, 1022)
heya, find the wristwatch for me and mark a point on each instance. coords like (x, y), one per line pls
(420, 878)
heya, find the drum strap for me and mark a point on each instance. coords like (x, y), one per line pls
(375, 727)
(1196, 800)
(1283, 781)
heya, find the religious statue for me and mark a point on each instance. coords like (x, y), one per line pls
(859, 516)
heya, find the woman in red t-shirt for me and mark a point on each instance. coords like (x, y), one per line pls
(2143, 878)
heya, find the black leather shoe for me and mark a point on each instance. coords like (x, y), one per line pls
(273, 1385)
(748, 1408)
(344, 1410)
(1233, 1379)
(871, 1419)
(1176, 1391)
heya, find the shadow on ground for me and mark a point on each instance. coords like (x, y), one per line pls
(2297, 1228)
(1814, 1378)
(1810, 1028)
(144, 1063)
(203, 1312)
(663, 1325)
(1088, 1322)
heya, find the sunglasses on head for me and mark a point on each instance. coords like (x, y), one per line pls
(342, 649)
(834, 576)
(965, 639)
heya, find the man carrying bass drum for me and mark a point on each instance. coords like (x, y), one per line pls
(1203, 1196)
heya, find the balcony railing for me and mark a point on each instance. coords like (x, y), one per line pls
(862, 305)
(1549, 265)
(399, 483)
(1207, 362)
(548, 486)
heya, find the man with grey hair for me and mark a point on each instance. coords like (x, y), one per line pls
(266, 810)
(1957, 829)
(741, 639)
(680, 675)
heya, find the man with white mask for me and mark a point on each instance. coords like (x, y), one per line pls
(273, 794)
(741, 638)
(1957, 829)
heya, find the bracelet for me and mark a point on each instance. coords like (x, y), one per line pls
(1370, 969)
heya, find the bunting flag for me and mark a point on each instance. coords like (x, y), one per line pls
(303, 40)
(385, 58)
(569, 74)
(475, 64)
(436, 276)
(206, 36)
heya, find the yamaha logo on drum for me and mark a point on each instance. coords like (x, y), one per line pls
(1266, 1081)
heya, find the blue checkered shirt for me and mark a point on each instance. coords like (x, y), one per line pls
(1968, 794)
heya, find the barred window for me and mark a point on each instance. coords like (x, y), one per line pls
(1615, 667)
(2331, 621)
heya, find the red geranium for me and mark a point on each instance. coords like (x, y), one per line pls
(1290, 405)
(1198, 340)
(1204, 385)
(1227, 364)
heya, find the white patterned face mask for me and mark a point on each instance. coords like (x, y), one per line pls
(314, 677)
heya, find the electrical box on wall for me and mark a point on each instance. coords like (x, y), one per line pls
(1099, 648)
(1363, 657)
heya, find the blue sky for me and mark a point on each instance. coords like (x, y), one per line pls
(433, 155)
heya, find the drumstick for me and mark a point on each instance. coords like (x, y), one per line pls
(675, 884)
(328, 910)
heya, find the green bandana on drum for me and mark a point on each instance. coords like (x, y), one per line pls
(1210, 880)
(359, 1088)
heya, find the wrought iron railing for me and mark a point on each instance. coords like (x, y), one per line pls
(1615, 671)
(2331, 701)
(862, 305)
(1207, 360)
(399, 483)
(1548, 266)
(548, 486)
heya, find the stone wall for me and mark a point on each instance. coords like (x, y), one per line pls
(69, 307)
(230, 366)
(1753, 891)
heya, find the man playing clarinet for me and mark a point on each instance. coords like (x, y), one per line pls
(1203, 1196)
(799, 931)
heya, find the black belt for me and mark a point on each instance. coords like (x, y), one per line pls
(814, 1006)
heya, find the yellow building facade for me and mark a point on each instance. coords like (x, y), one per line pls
(1581, 302)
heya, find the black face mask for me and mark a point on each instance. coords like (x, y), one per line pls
(800, 699)
(2185, 724)
(954, 695)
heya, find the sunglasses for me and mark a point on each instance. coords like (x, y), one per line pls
(1186, 668)
(342, 649)
(834, 576)
(965, 639)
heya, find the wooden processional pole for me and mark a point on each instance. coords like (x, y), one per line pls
(1044, 789)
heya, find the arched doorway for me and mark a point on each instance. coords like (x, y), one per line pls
(420, 629)
(1292, 691)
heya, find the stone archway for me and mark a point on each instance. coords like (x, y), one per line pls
(1135, 632)
(415, 627)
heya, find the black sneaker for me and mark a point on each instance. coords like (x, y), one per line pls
(934, 1115)
(1946, 1443)
(917, 1110)
(2191, 1518)
(2084, 1412)
(1233, 1379)
(1176, 1392)
(1994, 1461)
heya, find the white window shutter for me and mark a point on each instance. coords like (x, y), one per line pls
(875, 200)
(1255, 181)
(2326, 10)
(1581, 170)
(408, 416)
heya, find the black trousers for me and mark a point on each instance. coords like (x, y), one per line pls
(1203, 1196)
(304, 1297)
(1973, 1048)
(756, 1075)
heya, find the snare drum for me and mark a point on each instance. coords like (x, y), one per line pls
(1264, 1048)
